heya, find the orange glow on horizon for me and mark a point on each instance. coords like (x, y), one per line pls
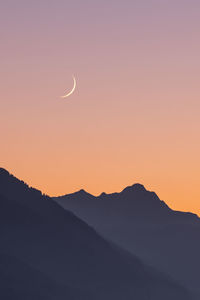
(134, 116)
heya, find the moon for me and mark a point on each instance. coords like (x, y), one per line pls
(73, 89)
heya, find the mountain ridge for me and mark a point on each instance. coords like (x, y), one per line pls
(138, 221)
(64, 251)
(127, 191)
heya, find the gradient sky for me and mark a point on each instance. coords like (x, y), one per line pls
(134, 116)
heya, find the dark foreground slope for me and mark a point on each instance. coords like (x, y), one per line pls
(20, 281)
(48, 253)
(140, 222)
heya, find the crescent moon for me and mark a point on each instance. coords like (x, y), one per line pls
(73, 89)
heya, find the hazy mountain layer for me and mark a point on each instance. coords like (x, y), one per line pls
(140, 222)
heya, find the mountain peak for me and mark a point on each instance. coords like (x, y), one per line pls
(137, 187)
(81, 194)
(102, 194)
(82, 191)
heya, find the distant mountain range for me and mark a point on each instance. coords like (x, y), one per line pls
(47, 253)
(138, 221)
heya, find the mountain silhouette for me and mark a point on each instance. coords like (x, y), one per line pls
(47, 252)
(138, 221)
(20, 281)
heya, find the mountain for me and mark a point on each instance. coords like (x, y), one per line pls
(20, 281)
(47, 253)
(138, 221)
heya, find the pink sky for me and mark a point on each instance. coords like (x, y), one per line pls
(134, 116)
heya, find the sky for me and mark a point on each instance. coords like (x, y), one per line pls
(134, 116)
